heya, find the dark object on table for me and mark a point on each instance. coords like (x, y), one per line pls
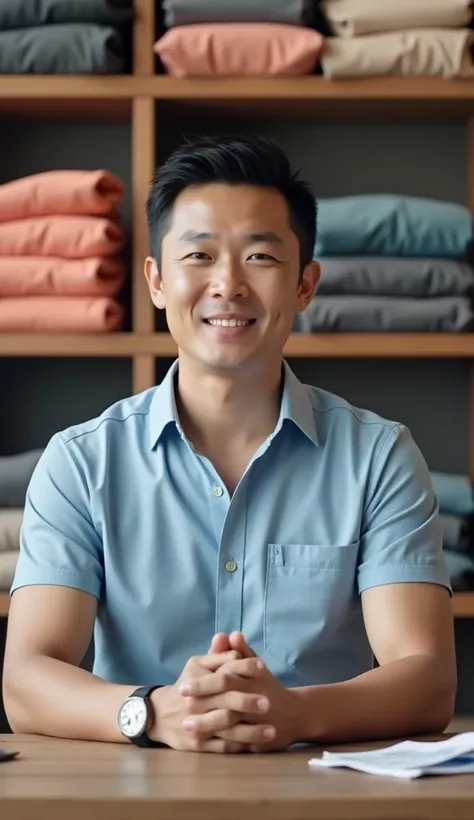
(5, 756)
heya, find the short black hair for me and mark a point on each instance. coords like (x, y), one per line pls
(232, 160)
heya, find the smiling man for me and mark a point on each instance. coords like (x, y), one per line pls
(244, 544)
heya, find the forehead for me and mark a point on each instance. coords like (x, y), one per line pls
(220, 207)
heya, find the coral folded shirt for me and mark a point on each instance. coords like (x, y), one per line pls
(48, 276)
(70, 237)
(60, 314)
(78, 193)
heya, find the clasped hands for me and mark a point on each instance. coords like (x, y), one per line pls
(226, 702)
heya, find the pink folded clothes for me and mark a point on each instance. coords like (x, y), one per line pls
(61, 314)
(49, 275)
(70, 237)
(95, 193)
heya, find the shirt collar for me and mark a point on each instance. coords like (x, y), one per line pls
(296, 406)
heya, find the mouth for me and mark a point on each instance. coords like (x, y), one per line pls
(233, 323)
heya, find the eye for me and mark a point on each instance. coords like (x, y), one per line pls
(198, 255)
(262, 257)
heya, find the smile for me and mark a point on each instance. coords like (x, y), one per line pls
(230, 322)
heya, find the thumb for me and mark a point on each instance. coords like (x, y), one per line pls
(238, 642)
(220, 643)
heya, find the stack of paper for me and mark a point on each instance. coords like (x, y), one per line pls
(408, 759)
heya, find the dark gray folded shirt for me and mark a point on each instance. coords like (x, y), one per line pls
(15, 475)
(380, 314)
(395, 276)
(28, 13)
(186, 12)
(62, 49)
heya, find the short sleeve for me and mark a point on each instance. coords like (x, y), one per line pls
(59, 544)
(401, 536)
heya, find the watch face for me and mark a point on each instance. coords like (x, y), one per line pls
(132, 717)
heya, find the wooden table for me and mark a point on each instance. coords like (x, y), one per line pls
(68, 780)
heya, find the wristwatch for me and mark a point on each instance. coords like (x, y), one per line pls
(135, 717)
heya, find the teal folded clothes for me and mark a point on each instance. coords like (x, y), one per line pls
(458, 532)
(386, 314)
(461, 570)
(15, 475)
(62, 49)
(454, 493)
(29, 13)
(393, 225)
(186, 12)
(395, 276)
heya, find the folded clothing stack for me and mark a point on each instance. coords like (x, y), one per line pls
(65, 36)
(60, 244)
(239, 38)
(15, 475)
(456, 506)
(405, 37)
(392, 264)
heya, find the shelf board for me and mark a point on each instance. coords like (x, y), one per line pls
(463, 604)
(381, 97)
(299, 345)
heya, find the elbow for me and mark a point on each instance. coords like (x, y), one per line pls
(441, 705)
(12, 702)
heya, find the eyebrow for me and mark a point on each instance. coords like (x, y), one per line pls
(265, 236)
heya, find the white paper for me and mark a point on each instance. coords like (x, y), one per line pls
(408, 759)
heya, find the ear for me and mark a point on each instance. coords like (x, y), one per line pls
(307, 286)
(155, 283)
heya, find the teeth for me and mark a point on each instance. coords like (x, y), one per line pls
(229, 322)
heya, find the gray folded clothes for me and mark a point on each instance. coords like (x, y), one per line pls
(62, 49)
(8, 562)
(10, 526)
(458, 532)
(454, 493)
(15, 475)
(461, 570)
(385, 314)
(351, 18)
(186, 12)
(29, 13)
(395, 276)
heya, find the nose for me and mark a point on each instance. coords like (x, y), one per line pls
(228, 282)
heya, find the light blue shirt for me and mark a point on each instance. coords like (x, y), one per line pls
(335, 501)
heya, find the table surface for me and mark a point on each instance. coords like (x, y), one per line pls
(67, 780)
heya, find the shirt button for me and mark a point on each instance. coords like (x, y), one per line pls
(230, 566)
(218, 491)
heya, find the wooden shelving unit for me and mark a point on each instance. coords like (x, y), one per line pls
(147, 99)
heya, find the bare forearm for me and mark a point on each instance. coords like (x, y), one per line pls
(414, 694)
(49, 697)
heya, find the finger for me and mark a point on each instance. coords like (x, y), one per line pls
(212, 722)
(220, 643)
(224, 679)
(249, 705)
(238, 642)
(214, 661)
(250, 735)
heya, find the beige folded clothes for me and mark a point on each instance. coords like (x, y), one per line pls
(351, 18)
(10, 525)
(8, 562)
(422, 52)
(70, 237)
(60, 314)
(51, 275)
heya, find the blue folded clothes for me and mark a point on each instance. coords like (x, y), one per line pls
(458, 532)
(393, 225)
(454, 493)
(15, 475)
(461, 570)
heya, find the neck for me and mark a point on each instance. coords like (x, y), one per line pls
(218, 407)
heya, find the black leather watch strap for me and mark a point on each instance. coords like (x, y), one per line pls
(143, 740)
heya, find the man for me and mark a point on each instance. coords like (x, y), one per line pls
(244, 544)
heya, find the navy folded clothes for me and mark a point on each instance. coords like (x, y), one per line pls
(458, 532)
(15, 475)
(461, 570)
(29, 13)
(62, 49)
(385, 314)
(393, 225)
(454, 493)
(188, 12)
(395, 276)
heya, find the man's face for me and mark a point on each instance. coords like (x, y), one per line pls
(229, 275)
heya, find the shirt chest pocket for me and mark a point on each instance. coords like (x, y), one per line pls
(309, 590)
